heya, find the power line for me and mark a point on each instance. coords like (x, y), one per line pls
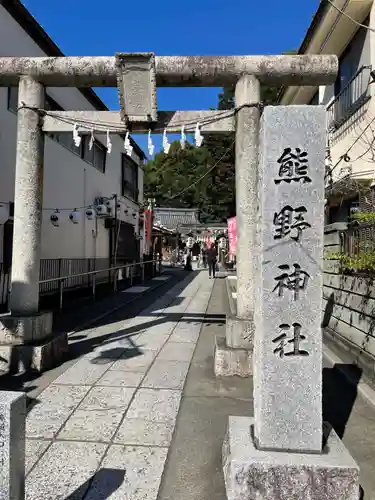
(342, 157)
(349, 17)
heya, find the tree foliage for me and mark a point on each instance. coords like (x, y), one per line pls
(174, 179)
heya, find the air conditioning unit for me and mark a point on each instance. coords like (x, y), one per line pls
(100, 200)
(101, 208)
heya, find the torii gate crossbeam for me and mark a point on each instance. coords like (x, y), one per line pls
(173, 71)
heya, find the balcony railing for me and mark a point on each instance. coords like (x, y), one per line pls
(354, 95)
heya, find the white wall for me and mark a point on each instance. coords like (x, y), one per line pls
(69, 181)
(357, 133)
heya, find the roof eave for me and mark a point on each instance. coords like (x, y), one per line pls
(322, 10)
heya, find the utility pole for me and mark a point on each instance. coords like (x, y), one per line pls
(150, 208)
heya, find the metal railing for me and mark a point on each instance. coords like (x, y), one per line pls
(76, 268)
(354, 95)
(358, 239)
(114, 276)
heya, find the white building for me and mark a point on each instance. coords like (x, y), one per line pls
(336, 29)
(73, 177)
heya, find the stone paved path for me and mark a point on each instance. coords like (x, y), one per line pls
(102, 429)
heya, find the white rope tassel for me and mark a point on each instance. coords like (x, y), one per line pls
(166, 145)
(91, 143)
(127, 146)
(109, 143)
(183, 137)
(151, 147)
(76, 138)
(198, 136)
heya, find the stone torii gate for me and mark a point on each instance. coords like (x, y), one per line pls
(137, 76)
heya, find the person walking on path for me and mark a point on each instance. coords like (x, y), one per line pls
(211, 256)
(204, 257)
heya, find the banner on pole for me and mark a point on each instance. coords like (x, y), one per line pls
(232, 235)
(148, 216)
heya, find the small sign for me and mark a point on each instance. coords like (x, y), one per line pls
(136, 80)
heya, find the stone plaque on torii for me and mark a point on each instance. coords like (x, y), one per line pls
(137, 76)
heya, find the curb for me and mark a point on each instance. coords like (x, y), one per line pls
(91, 321)
(362, 388)
(232, 304)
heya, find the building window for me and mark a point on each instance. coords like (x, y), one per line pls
(50, 104)
(354, 57)
(315, 100)
(13, 99)
(352, 83)
(129, 178)
(99, 154)
(96, 156)
(66, 139)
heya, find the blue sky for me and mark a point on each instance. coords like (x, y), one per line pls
(209, 27)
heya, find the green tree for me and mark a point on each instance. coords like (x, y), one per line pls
(172, 179)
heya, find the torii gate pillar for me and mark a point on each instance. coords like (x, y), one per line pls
(24, 296)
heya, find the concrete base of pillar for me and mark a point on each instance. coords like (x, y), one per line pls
(230, 361)
(266, 475)
(18, 330)
(239, 333)
(27, 343)
(40, 357)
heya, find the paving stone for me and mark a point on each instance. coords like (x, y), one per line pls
(190, 334)
(56, 404)
(138, 363)
(136, 289)
(140, 320)
(107, 353)
(105, 398)
(119, 378)
(84, 372)
(155, 405)
(144, 433)
(177, 351)
(163, 327)
(33, 451)
(92, 425)
(152, 342)
(65, 468)
(143, 468)
(166, 375)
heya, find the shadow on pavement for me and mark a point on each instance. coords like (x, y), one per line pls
(339, 395)
(88, 344)
(81, 343)
(127, 311)
(104, 483)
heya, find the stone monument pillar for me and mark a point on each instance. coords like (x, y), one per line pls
(286, 452)
(12, 445)
(233, 355)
